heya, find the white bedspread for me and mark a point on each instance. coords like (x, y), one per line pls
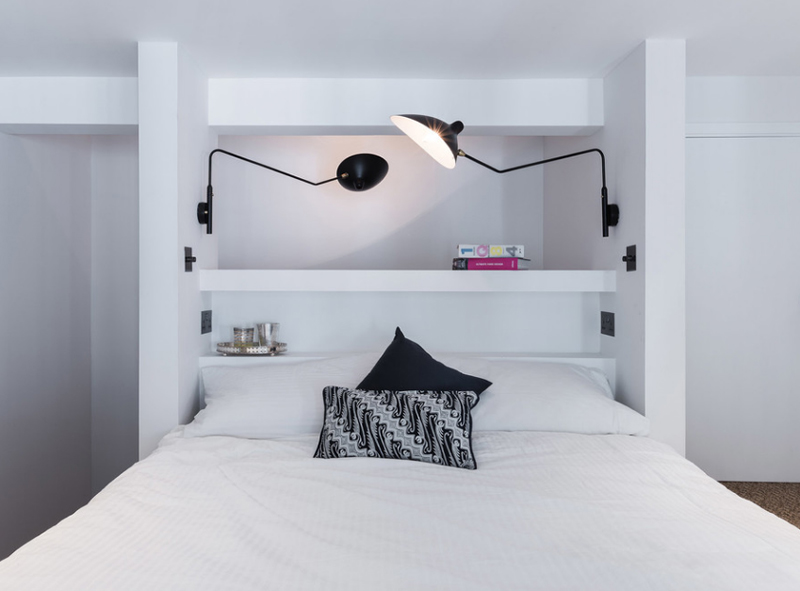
(546, 511)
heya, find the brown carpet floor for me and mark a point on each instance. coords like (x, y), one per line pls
(780, 498)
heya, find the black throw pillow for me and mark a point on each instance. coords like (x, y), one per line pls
(407, 366)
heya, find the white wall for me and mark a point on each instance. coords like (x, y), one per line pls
(736, 106)
(413, 220)
(742, 289)
(195, 141)
(456, 322)
(115, 306)
(573, 231)
(45, 350)
(643, 142)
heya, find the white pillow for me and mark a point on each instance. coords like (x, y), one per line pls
(276, 400)
(272, 400)
(541, 396)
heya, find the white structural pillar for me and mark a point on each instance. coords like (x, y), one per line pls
(158, 242)
(665, 228)
(174, 142)
(643, 140)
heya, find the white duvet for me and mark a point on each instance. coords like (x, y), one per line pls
(546, 511)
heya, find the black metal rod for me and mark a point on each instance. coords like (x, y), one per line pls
(205, 210)
(610, 212)
(237, 156)
(565, 156)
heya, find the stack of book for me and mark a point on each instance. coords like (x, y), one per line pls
(491, 257)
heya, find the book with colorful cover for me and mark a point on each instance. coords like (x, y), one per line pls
(482, 251)
(491, 264)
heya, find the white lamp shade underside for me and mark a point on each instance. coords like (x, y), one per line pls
(426, 138)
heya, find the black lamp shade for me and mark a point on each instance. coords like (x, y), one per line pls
(361, 172)
(437, 138)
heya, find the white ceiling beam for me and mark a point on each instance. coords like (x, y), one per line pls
(68, 105)
(312, 106)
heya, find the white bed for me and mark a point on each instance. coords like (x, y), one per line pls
(545, 509)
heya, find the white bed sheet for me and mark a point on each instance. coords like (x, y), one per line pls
(551, 511)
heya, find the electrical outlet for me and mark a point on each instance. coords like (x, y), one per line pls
(205, 321)
(607, 323)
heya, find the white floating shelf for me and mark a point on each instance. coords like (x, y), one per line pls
(407, 281)
(298, 356)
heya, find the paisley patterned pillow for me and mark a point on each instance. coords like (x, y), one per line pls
(422, 425)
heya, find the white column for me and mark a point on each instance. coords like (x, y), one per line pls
(665, 227)
(643, 140)
(174, 142)
(158, 242)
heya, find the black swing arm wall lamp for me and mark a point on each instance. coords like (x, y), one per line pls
(359, 172)
(440, 141)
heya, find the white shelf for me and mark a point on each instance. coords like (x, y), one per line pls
(296, 356)
(407, 281)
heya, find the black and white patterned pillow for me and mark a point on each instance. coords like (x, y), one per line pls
(422, 425)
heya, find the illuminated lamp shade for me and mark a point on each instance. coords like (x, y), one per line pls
(437, 138)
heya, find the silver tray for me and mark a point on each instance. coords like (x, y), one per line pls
(233, 349)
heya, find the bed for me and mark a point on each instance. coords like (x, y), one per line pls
(573, 497)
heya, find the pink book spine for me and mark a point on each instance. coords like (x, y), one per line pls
(500, 264)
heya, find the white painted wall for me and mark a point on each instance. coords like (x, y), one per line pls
(286, 106)
(413, 220)
(195, 141)
(572, 215)
(643, 142)
(45, 352)
(741, 288)
(456, 322)
(736, 106)
(115, 306)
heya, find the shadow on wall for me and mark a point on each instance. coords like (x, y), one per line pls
(413, 220)
(405, 248)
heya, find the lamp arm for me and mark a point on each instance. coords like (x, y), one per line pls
(205, 208)
(565, 156)
(610, 212)
(237, 156)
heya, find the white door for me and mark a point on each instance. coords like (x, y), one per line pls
(743, 307)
